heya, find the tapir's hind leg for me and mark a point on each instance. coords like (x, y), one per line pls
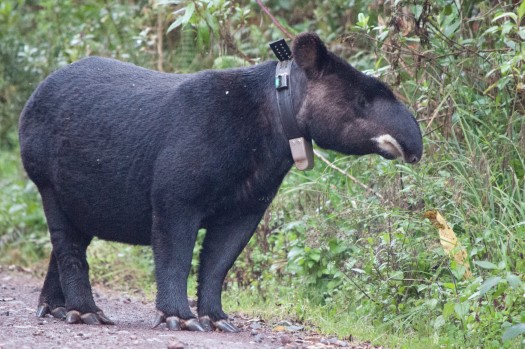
(51, 299)
(225, 239)
(67, 282)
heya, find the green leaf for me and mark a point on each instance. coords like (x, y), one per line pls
(184, 19)
(431, 303)
(294, 252)
(506, 14)
(447, 10)
(448, 309)
(439, 322)
(461, 309)
(521, 11)
(489, 284)
(459, 270)
(513, 331)
(422, 287)
(315, 255)
(486, 264)
(417, 10)
(514, 281)
(451, 28)
(449, 285)
(175, 24)
(189, 12)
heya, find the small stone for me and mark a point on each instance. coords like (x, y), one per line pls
(175, 345)
(255, 320)
(133, 337)
(342, 344)
(254, 333)
(255, 325)
(333, 340)
(285, 339)
(259, 338)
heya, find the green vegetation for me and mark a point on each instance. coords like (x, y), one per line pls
(329, 253)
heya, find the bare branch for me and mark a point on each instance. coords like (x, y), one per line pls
(275, 21)
(330, 164)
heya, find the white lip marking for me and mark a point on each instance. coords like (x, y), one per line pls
(388, 143)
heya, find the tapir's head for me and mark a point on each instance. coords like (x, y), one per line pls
(350, 112)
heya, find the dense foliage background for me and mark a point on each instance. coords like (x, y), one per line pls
(330, 253)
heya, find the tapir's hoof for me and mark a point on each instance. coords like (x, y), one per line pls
(174, 323)
(44, 309)
(59, 313)
(206, 323)
(193, 325)
(98, 318)
(225, 326)
(222, 325)
(73, 317)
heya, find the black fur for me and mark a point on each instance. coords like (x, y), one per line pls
(137, 156)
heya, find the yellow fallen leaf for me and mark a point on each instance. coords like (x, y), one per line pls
(279, 328)
(449, 241)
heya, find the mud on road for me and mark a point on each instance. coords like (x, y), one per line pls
(20, 328)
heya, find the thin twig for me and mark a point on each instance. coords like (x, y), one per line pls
(275, 21)
(330, 164)
(160, 32)
(359, 288)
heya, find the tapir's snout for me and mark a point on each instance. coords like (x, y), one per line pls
(390, 149)
(402, 138)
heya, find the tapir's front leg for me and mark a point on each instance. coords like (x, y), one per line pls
(172, 239)
(225, 239)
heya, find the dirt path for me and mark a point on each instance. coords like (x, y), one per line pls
(20, 328)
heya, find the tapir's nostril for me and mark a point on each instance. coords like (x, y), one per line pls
(412, 159)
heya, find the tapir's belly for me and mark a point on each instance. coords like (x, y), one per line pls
(95, 209)
(103, 192)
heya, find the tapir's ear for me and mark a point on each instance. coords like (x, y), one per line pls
(310, 53)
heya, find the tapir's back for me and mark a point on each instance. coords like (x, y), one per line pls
(95, 100)
(92, 131)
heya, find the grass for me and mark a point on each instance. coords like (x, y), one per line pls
(330, 320)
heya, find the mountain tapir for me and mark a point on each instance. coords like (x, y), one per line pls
(148, 158)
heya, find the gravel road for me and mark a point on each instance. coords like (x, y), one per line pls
(20, 328)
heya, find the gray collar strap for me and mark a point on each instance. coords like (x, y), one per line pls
(301, 148)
